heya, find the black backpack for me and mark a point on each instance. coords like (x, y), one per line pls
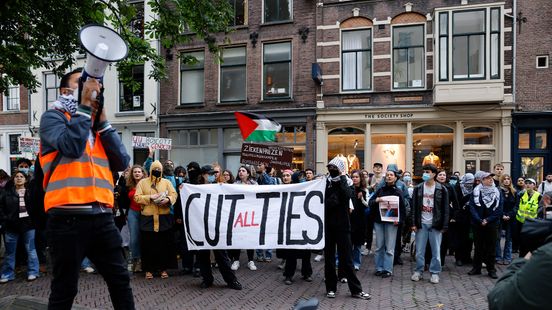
(36, 191)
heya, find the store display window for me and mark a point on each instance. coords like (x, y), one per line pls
(348, 144)
(389, 149)
(432, 144)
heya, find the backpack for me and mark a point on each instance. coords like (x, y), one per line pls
(36, 190)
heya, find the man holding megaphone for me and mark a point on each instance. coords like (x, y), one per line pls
(78, 152)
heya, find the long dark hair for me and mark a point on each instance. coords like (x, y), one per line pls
(362, 184)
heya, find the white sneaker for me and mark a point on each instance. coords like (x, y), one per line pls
(235, 265)
(434, 278)
(318, 258)
(89, 269)
(31, 278)
(416, 276)
(4, 280)
(251, 265)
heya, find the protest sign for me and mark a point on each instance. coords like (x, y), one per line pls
(272, 155)
(236, 216)
(389, 208)
(29, 145)
(139, 142)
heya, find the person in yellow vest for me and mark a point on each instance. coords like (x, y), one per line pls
(156, 195)
(527, 209)
(78, 159)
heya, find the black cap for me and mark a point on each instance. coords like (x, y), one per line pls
(193, 165)
(207, 169)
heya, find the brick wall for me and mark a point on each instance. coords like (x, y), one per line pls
(16, 117)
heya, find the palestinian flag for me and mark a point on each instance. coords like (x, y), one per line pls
(256, 127)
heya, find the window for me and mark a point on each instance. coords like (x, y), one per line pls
(199, 145)
(540, 139)
(277, 70)
(495, 43)
(201, 137)
(542, 62)
(432, 144)
(50, 88)
(348, 144)
(192, 78)
(468, 44)
(408, 56)
(356, 55)
(11, 101)
(524, 139)
(14, 144)
(233, 75)
(478, 135)
(239, 8)
(129, 99)
(277, 10)
(137, 23)
(292, 135)
(443, 46)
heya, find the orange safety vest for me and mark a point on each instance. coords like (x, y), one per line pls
(78, 181)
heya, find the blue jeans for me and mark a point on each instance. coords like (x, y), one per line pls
(357, 260)
(434, 236)
(505, 254)
(8, 267)
(133, 218)
(386, 236)
(266, 254)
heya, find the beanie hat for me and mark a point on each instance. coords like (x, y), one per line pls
(336, 161)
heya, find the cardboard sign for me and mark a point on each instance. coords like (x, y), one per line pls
(271, 155)
(389, 208)
(237, 216)
(139, 142)
(29, 145)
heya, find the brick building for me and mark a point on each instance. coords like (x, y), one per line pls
(266, 69)
(414, 82)
(14, 120)
(532, 119)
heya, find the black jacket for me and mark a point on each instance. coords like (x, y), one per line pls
(336, 205)
(510, 206)
(358, 217)
(440, 207)
(387, 191)
(9, 210)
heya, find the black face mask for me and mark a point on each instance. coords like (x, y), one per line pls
(193, 174)
(333, 172)
(156, 173)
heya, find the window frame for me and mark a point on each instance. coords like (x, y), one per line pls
(277, 21)
(222, 66)
(10, 142)
(9, 99)
(47, 89)
(245, 13)
(446, 37)
(491, 33)
(181, 70)
(424, 57)
(471, 145)
(371, 59)
(142, 97)
(546, 57)
(486, 35)
(290, 74)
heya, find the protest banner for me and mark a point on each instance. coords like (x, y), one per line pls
(236, 216)
(389, 208)
(272, 155)
(29, 145)
(139, 142)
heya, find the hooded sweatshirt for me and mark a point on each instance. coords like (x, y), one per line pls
(155, 217)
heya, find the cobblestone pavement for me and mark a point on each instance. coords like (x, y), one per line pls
(264, 289)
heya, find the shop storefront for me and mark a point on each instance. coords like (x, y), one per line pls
(532, 134)
(454, 140)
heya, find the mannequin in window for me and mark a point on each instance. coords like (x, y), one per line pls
(354, 162)
(344, 160)
(432, 159)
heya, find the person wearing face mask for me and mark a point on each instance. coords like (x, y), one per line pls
(168, 170)
(337, 200)
(78, 153)
(486, 209)
(24, 165)
(156, 194)
(430, 217)
(448, 237)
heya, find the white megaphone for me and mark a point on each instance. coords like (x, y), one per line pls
(103, 46)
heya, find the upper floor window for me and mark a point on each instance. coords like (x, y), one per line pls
(408, 56)
(277, 10)
(277, 70)
(356, 55)
(192, 78)
(130, 99)
(137, 23)
(51, 84)
(12, 99)
(472, 39)
(239, 8)
(233, 75)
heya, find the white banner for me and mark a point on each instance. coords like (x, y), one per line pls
(236, 216)
(139, 142)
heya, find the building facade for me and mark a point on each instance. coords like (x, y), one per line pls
(266, 69)
(415, 82)
(14, 115)
(532, 119)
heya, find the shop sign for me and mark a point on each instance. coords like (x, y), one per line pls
(389, 115)
(139, 142)
(272, 155)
